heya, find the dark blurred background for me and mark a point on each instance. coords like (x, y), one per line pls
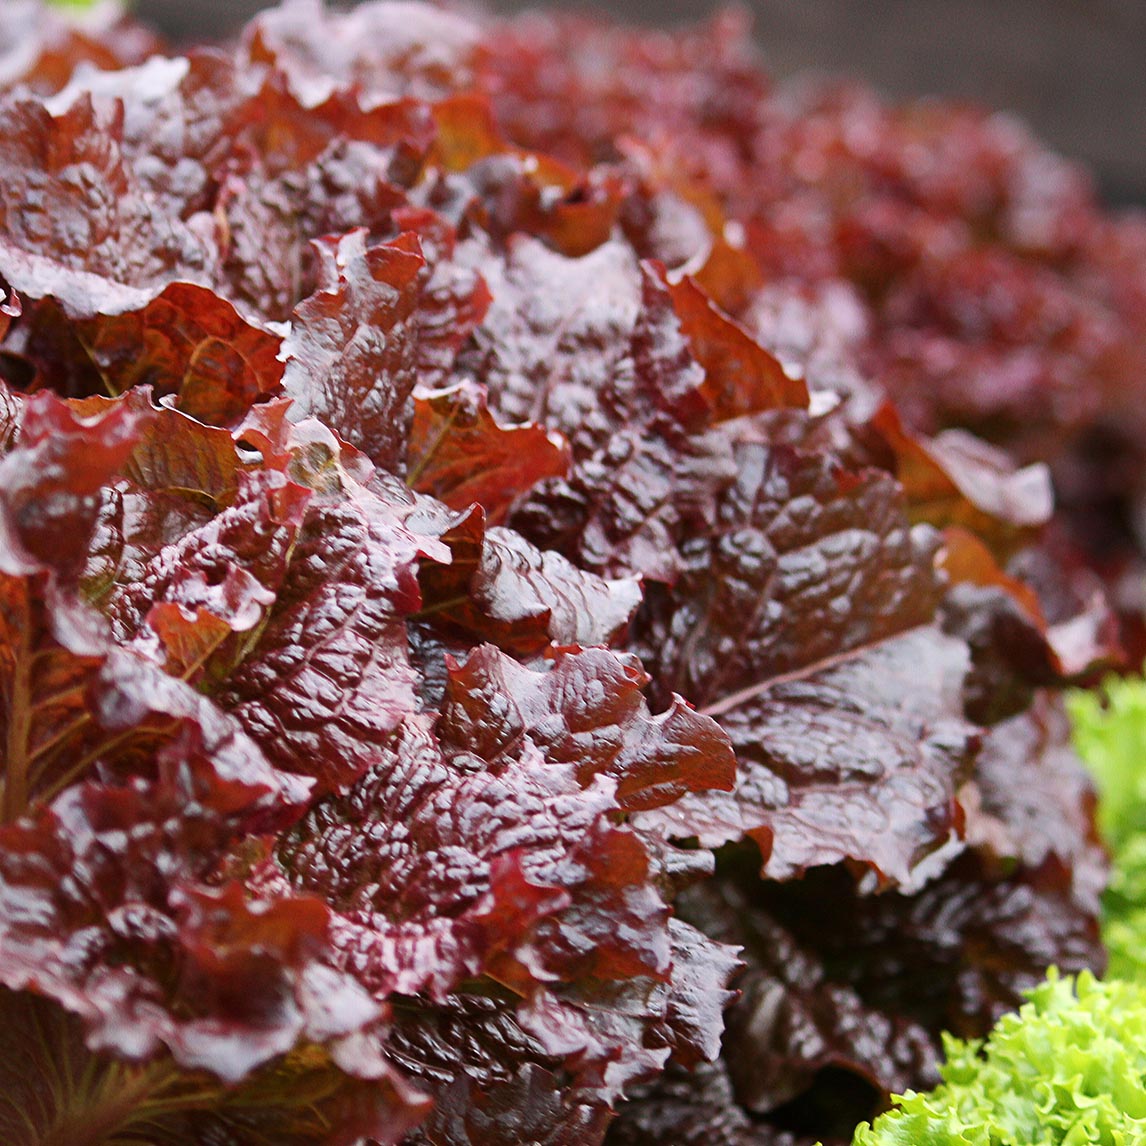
(1074, 69)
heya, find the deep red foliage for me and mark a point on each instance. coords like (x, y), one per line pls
(502, 635)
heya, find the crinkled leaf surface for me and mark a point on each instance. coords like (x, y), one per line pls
(84, 232)
(529, 836)
(860, 761)
(350, 354)
(105, 910)
(382, 316)
(591, 347)
(507, 810)
(820, 712)
(330, 678)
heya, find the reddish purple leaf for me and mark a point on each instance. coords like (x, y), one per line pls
(196, 346)
(462, 455)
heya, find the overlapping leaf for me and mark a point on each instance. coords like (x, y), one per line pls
(847, 720)
(357, 346)
(460, 454)
(194, 345)
(330, 678)
(1015, 646)
(551, 1073)
(538, 876)
(106, 910)
(500, 588)
(593, 348)
(75, 225)
(52, 648)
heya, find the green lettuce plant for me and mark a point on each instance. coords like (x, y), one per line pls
(1068, 1069)
(1110, 733)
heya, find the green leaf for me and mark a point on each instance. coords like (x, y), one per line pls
(1110, 733)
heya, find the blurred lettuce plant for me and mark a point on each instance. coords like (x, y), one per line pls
(1110, 733)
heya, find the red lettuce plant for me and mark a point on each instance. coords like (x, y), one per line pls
(479, 661)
